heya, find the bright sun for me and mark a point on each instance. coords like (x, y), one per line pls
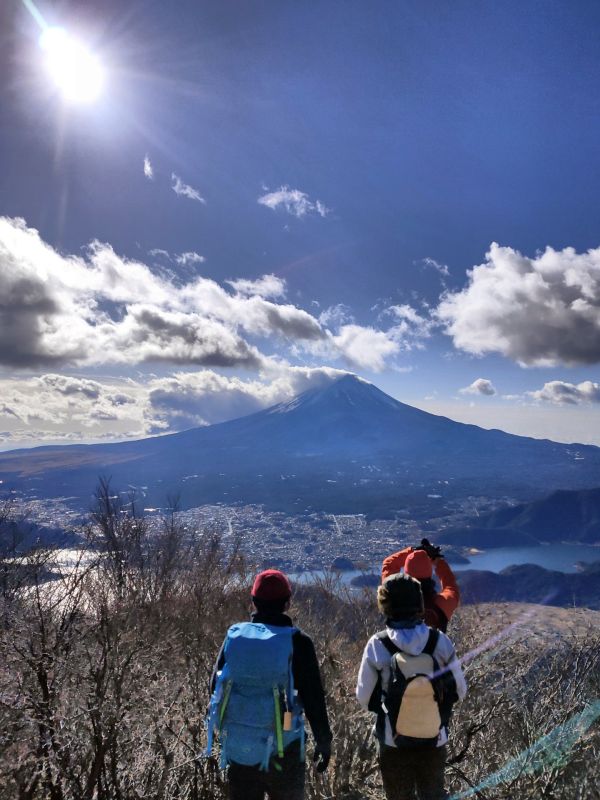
(75, 70)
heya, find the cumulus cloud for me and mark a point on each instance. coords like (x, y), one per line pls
(152, 334)
(148, 168)
(294, 202)
(267, 286)
(540, 311)
(71, 404)
(117, 310)
(480, 386)
(70, 386)
(182, 189)
(563, 393)
(189, 257)
(365, 347)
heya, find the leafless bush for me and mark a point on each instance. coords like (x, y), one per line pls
(104, 679)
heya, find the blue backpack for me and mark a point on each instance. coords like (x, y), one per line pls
(254, 708)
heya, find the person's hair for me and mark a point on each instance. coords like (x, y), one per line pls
(400, 598)
(270, 606)
(428, 588)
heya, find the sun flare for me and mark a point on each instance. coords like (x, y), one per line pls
(75, 70)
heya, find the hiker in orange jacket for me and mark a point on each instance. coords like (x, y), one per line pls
(419, 563)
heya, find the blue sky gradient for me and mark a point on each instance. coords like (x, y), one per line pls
(426, 130)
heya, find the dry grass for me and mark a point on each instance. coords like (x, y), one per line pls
(104, 680)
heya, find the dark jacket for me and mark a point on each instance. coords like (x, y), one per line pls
(307, 678)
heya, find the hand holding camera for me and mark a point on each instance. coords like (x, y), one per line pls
(432, 551)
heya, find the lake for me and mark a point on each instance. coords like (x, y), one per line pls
(560, 557)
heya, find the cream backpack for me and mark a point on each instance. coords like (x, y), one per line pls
(419, 697)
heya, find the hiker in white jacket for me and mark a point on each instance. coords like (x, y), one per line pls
(409, 756)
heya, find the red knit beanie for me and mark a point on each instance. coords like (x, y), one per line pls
(271, 585)
(418, 565)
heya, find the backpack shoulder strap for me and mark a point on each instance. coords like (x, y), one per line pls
(432, 641)
(387, 642)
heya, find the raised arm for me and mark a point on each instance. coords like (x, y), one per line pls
(448, 597)
(394, 563)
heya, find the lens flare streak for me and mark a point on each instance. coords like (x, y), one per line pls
(548, 752)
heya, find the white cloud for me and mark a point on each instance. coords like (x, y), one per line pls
(182, 189)
(411, 327)
(365, 347)
(540, 311)
(158, 252)
(148, 168)
(267, 286)
(295, 202)
(336, 316)
(70, 386)
(119, 311)
(480, 386)
(74, 405)
(563, 393)
(189, 257)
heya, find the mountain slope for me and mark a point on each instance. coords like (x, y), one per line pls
(561, 515)
(346, 447)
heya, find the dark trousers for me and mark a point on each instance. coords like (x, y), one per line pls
(409, 769)
(286, 783)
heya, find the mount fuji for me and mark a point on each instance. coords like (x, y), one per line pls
(348, 447)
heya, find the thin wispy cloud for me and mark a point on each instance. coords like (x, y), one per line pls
(182, 189)
(336, 316)
(294, 202)
(189, 257)
(148, 168)
(441, 269)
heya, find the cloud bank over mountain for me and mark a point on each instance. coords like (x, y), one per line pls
(55, 406)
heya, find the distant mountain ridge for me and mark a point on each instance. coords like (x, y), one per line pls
(347, 447)
(562, 515)
(533, 584)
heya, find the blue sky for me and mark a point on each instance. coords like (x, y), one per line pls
(366, 155)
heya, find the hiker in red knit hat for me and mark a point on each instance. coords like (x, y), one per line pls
(419, 563)
(265, 679)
